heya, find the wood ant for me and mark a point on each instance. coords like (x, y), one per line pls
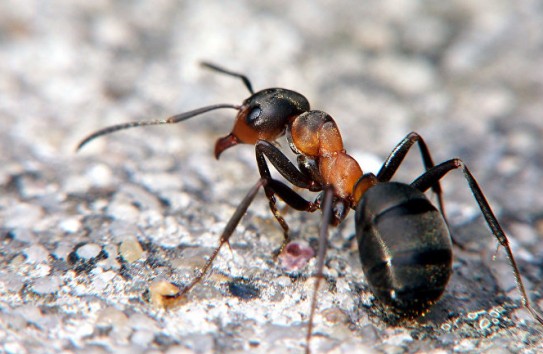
(404, 241)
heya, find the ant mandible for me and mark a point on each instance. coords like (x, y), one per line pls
(404, 241)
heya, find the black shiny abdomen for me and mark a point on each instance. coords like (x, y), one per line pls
(405, 247)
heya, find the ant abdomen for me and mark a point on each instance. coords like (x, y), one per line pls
(405, 247)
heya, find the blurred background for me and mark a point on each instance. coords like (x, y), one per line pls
(467, 76)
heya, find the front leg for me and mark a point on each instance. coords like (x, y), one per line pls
(288, 170)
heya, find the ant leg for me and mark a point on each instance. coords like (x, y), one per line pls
(433, 175)
(228, 230)
(395, 159)
(283, 165)
(292, 199)
(286, 169)
(323, 240)
(397, 156)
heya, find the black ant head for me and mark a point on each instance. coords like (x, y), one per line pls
(263, 116)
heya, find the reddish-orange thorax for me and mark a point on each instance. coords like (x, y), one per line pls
(315, 134)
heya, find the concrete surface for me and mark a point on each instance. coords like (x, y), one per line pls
(85, 234)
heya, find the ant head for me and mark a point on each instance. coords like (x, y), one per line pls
(263, 116)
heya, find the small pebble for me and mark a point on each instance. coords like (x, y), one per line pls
(484, 323)
(283, 281)
(106, 276)
(391, 349)
(164, 294)
(46, 285)
(111, 316)
(41, 270)
(335, 315)
(142, 337)
(100, 175)
(295, 256)
(63, 250)
(70, 225)
(36, 254)
(123, 211)
(140, 321)
(89, 250)
(130, 250)
(111, 262)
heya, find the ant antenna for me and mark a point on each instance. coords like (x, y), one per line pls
(171, 120)
(244, 78)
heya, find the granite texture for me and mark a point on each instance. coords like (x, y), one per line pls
(84, 235)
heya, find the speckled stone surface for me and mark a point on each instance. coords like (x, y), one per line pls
(84, 235)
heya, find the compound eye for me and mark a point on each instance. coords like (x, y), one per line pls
(253, 115)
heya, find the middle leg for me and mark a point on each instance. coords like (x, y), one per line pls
(396, 157)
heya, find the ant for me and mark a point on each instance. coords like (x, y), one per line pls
(404, 241)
